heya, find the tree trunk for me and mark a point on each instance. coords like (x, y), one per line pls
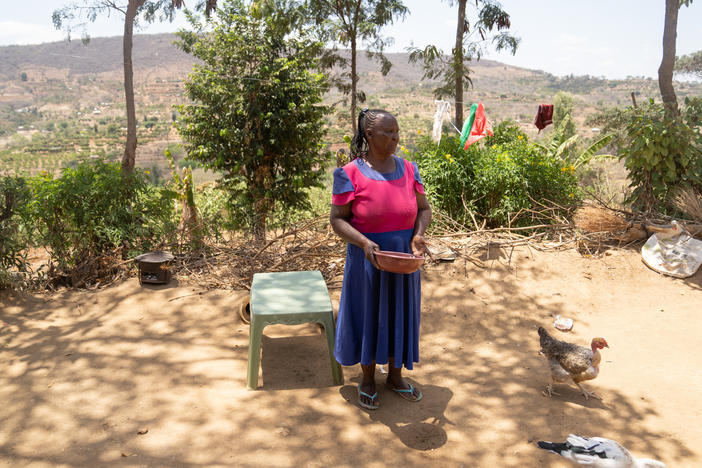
(354, 82)
(665, 71)
(190, 226)
(458, 62)
(262, 203)
(130, 147)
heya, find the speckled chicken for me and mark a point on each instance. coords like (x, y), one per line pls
(569, 362)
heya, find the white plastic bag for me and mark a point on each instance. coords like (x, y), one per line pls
(678, 256)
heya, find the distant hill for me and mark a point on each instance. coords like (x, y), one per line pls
(68, 89)
(100, 55)
(154, 52)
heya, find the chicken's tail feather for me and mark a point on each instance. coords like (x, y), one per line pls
(555, 447)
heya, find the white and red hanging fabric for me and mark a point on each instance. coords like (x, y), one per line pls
(443, 108)
(476, 127)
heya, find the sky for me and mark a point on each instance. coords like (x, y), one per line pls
(604, 38)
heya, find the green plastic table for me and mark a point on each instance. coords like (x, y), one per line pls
(291, 298)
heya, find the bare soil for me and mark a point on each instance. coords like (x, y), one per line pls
(136, 375)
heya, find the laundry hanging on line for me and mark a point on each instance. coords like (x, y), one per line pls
(442, 108)
(476, 127)
(544, 116)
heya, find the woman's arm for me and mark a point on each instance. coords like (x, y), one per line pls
(419, 244)
(339, 218)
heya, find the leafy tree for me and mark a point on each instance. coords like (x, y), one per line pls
(350, 23)
(79, 13)
(453, 70)
(255, 113)
(23, 76)
(665, 71)
(690, 64)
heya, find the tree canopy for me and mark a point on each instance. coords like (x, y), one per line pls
(690, 64)
(256, 113)
(453, 71)
(351, 23)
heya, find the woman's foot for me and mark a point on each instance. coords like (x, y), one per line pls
(368, 395)
(398, 385)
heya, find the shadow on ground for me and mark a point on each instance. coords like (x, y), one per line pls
(156, 377)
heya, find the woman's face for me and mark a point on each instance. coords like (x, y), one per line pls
(383, 135)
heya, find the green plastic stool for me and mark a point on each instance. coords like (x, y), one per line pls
(290, 298)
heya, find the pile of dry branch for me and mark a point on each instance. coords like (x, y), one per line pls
(599, 225)
(309, 245)
(312, 244)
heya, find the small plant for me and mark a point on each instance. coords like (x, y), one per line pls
(569, 149)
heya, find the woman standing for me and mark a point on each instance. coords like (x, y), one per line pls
(378, 203)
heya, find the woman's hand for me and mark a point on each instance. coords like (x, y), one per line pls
(368, 248)
(419, 246)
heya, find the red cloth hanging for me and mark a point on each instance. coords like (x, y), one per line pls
(481, 127)
(544, 116)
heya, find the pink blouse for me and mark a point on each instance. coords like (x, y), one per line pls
(379, 202)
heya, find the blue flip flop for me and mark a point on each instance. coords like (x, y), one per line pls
(407, 393)
(372, 397)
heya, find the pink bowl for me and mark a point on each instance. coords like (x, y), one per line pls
(398, 262)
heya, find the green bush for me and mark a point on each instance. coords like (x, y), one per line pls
(212, 204)
(664, 152)
(496, 180)
(91, 211)
(14, 195)
(447, 172)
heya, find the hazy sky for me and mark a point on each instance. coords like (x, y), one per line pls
(611, 38)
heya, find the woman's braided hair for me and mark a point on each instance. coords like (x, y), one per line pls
(359, 142)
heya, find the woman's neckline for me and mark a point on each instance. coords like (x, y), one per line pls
(371, 173)
(390, 158)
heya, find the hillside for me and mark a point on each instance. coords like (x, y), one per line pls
(64, 101)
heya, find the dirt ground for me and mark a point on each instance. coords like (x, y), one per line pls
(156, 376)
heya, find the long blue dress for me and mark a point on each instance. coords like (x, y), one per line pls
(379, 312)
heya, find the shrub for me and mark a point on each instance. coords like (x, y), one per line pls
(14, 240)
(212, 204)
(447, 172)
(92, 211)
(495, 181)
(664, 152)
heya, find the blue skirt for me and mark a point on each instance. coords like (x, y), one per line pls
(379, 311)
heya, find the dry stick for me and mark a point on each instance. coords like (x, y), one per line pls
(519, 241)
(547, 207)
(185, 295)
(286, 234)
(508, 229)
(605, 205)
(285, 260)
